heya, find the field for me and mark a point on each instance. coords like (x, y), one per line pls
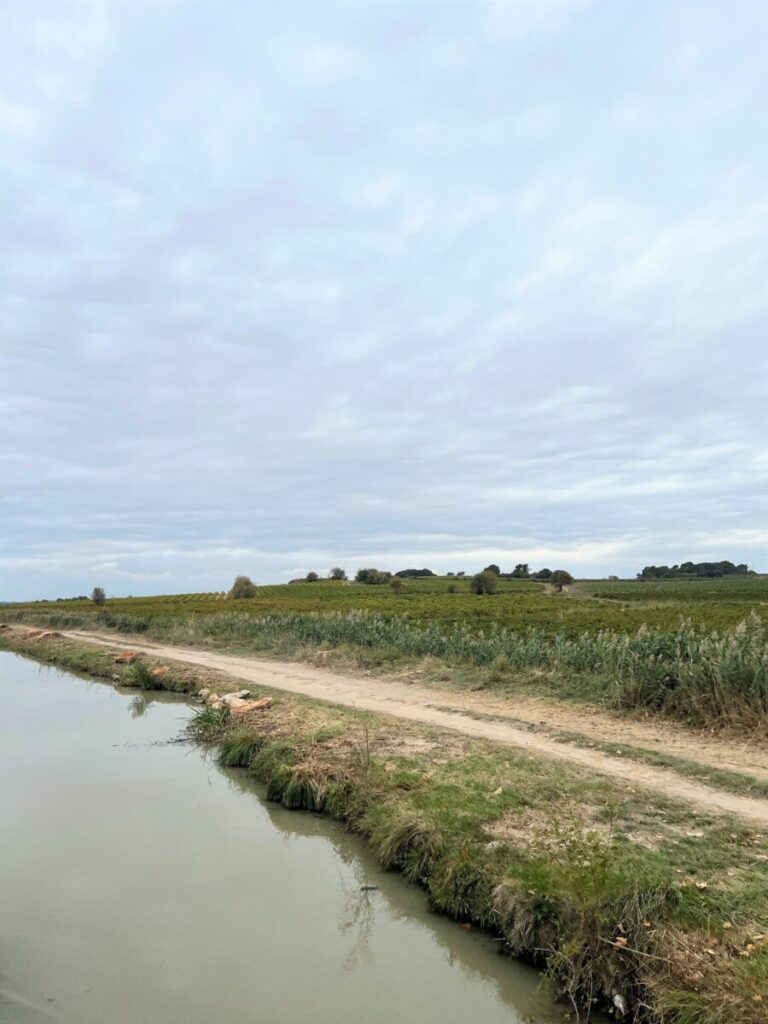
(694, 649)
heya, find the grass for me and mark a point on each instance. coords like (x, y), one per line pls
(720, 778)
(612, 893)
(682, 671)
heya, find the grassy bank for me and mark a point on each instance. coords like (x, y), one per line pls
(620, 898)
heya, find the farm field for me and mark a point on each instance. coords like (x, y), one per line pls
(695, 650)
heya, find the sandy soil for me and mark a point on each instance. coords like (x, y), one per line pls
(515, 722)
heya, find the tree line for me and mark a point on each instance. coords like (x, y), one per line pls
(703, 570)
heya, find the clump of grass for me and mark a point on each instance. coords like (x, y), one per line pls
(238, 749)
(207, 725)
(140, 676)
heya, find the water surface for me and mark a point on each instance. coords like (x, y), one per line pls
(142, 884)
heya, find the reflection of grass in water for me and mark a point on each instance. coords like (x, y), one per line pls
(138, 706)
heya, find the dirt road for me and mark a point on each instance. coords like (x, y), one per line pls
(514, 722)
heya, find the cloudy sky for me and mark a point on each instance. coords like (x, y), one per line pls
(295, 285)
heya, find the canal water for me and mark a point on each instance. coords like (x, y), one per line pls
(140, 883)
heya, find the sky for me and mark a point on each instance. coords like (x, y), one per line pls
(295, 285)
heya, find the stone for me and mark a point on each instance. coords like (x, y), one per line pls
(127, 657)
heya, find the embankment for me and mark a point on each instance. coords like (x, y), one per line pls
(627, 902)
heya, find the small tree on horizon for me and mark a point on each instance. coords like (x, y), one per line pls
(492, 568)
(559, 579)
(243, 587)
(337, 574)
(98, 596)
(484, 583)
(312, 577)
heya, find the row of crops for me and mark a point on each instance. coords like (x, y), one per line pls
(589, 608)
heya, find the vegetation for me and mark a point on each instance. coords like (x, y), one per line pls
(372, 576)
(559, 579)
(98, 596)
(243, 587)
(484, 583)
(693, 648)
(694, 569)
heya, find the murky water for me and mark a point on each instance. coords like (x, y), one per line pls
(142, 884)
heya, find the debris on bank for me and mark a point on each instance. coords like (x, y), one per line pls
(239, 703)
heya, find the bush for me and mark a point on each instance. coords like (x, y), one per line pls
(483, 583)
(98, 596)
(337, 574)
(374, 577)
(243, 587)
(312, 577)
(559, 579)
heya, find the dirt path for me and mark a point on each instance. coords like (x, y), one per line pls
(460, 712)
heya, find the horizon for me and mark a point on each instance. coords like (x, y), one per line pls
(386, 284)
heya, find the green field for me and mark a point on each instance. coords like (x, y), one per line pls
(695, 649)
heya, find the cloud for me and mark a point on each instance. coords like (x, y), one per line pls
(368, 286)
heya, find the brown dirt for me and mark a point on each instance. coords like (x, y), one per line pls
(515, 722)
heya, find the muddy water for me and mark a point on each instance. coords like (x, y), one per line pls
(141, 884)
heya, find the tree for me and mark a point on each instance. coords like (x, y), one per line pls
(492, 568)
(243, 587)
(98, 596)
(484, 583)
(521, 571)
(559, 579)
(312, 577)
(543, 574)
(374, 577)
(406, 573)
(337, 574)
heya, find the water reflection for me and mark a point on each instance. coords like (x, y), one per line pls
(473, 954)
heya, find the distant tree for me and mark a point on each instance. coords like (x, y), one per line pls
(613, 579)
(337, 574)
(492, 568)
(521, 571)
(374, 577)
(396, 584)
(243, 587)
(98, 596)
(462, 573)
(312, 577)
(484, 583)
(559, 579)
(450, 574)
(406, 573)
(543, 574)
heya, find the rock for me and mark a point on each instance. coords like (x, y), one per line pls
(204, 693)
(217, 704)
(245, 707)
(212, 698)
(127, 657)
(240, 694)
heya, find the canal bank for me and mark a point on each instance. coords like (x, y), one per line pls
(617, 898)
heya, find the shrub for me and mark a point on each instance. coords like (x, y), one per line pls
(243, 587)
(483, 583)
(98, 596)
(375, 577)
(559, 579)
(337, 574)
(312, 577)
